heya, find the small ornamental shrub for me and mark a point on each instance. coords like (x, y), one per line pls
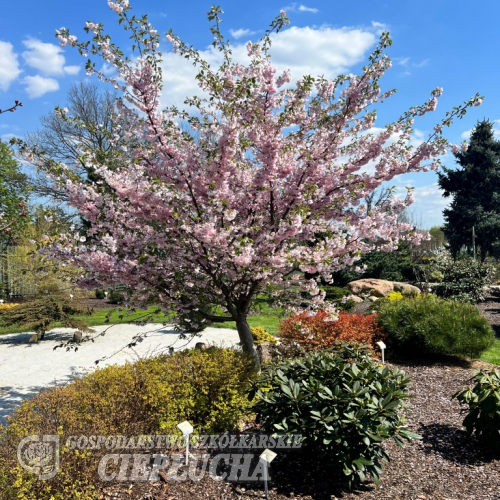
(308, 333)
(100, 294)
(260, 335)
(483, 400)
(433, 326)
(150, 397)
(39, 314)
(464, 281)
(394, 296)
(341, 402)
(7, 307)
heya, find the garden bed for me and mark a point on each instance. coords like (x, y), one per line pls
(445, 465)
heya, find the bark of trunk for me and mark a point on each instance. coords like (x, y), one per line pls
(246, 340)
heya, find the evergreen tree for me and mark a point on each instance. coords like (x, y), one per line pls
(475, 188)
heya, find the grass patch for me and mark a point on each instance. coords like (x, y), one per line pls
(492, 354)
(99, 317)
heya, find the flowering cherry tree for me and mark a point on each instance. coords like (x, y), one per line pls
(261, 181)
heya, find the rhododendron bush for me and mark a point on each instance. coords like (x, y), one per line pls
(259, 181)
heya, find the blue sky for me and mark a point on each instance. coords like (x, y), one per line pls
(444, 43)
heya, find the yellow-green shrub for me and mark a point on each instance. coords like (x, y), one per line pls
(261, 335)
(7, 307)
(151, 396)
(394, 296)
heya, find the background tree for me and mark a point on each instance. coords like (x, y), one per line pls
(34, 274)
(63, 141)
(475, 189)
(14, 186)
(14, 191)
(221, 219)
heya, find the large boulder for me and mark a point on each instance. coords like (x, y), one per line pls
(406, 288)
(378, 288)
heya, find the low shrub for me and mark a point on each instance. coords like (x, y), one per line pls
(394, 296)
(39, 314)
(309, 333)
(432, 326)
(464, 281)
(7, 307)
(208, 388)
(483, 400)
(100, 294)
(260, 335)
(341, 402)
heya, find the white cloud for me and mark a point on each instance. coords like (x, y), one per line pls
(71, 70)
(408, 64)
(300, 8)
(303, 8)
(47, 58)
(241, 32)
(9, 65)
(429, 205)
(36, 86)
(305, 51)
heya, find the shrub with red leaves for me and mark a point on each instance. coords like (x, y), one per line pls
(321, 332)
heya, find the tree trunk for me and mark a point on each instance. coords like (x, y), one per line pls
(246, 340)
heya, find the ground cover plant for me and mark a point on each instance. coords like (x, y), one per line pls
(208, 388)
(341, 401)
(242, 197)
(428, 325)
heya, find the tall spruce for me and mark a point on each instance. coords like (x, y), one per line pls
(475, 188)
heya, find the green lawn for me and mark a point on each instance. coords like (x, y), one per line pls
(99, 317)
(492, 355)
(268, 318)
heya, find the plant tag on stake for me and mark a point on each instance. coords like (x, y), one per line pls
(266, 457)
(382, 348)
(186, 428)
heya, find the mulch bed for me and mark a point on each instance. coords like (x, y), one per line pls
(445, 465)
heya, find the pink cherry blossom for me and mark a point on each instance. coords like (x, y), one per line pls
(262, 183)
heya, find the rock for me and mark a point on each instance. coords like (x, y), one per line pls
(355, 298)
(378, 288)
(201, 346)
(77, 337)
(361, 308)
(266, 351)
(371, 298)
(406, 288)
